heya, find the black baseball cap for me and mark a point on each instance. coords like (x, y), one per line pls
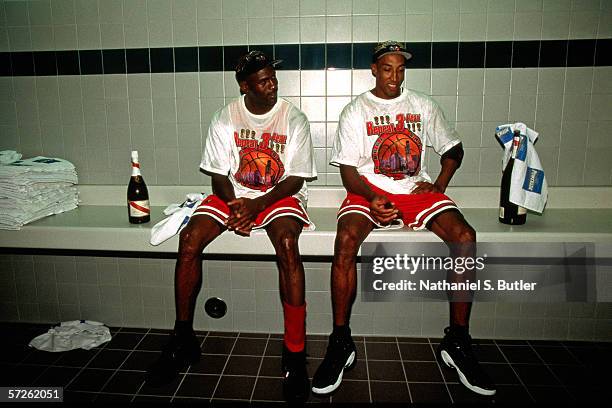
(389, 47)
(253, 62)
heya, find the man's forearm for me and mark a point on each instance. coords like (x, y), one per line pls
(354, 184)
(222, 187)
(450, 162)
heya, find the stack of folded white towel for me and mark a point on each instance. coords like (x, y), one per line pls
(34, 188)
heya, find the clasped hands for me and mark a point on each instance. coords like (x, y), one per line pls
(384, 211)
(243, 213)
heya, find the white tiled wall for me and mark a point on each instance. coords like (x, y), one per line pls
(138, 293)
(95, 121)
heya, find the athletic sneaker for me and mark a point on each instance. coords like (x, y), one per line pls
(296, 386)
(340, 356)
(177, 354)
(456, 352)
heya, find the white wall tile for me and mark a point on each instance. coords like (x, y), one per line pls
(261, 31)
(286, 8)
(555, 25)
(392, 27)
(285, 31)
(339, 82)
(338, 29)
(365, 28)
(445, 27)
(260, 8)
(307, 34)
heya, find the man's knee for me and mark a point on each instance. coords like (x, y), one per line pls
(347, 244)
(286, 244)
(191, 244)
(463, 233)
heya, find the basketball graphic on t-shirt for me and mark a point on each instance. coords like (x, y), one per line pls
(259, 169)
(397, 155)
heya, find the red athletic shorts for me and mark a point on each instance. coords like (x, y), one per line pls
(416, 209)
(216, 208)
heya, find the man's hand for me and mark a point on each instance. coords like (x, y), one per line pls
(244, 211)
(425, 187)
(383, 210)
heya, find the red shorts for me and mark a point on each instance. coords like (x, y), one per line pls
(416, 209)
(216, 208)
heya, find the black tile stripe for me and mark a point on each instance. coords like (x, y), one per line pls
(477, 54)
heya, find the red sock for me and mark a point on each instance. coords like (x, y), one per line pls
(295, 327)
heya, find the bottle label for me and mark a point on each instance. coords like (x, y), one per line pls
(139, 208)
(521, 210)
(501, 212)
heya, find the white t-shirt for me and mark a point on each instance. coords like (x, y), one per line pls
(386, 139)
(257, 152)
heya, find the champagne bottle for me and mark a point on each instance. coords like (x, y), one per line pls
(137, 195)
(510, 213)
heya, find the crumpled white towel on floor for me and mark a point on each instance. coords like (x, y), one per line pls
(85, 334)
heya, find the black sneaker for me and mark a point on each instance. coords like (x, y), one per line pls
(296, 386)
(340, 355)
(456, 352)
(176, 355)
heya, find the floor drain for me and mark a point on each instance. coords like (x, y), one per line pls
(215, 307)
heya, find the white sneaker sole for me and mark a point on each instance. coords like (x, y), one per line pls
(332, 388)
(449, 362)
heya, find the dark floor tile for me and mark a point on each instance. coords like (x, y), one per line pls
(76, 358)
(217, 345)
(417, 371)
(22, 375)
(242, 365)
(532, 374)
(153, 342)
(14, 353)
(380, 339)
(57, 376)
(249, 347)
(386, 392)
(140, 360)
(124, 341)
(351, 392)
(462, 395)
(316, 348)
(209, 364)
(318, 337)
(125, 382)
(134, 330)
(113, 399)
(382, 351)
(201, 386)
(555, 355)
(314, 363)
(253, 335)
(428, 393)
(271, 367)
(413, 340)
(235, 387)
(275, 348)
(90, 379)
(227, 402)
(550, 394)
(508, 394)
(268, 389)
(549, 343)
(155, 399)
(585, 355)
(109, 359)
(416, 352)
(499, 373)
(164, 390)
(520, 354)
(189, 401)
(579, 376)
(386, 371)
(161, 331)
(588, 395)
(74, 397)
(42, 357)
(277, 335)
(488, 353)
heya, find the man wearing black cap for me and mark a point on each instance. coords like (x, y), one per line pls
(380, 147)
(259, 154)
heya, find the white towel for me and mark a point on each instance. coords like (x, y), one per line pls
(178, 217)
(85, 334)
(528, 187)
(9, 156)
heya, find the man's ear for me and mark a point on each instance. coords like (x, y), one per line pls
(244, 87)
(374, 70)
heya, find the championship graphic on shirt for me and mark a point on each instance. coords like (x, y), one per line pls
(260, 166)
(397, 151)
